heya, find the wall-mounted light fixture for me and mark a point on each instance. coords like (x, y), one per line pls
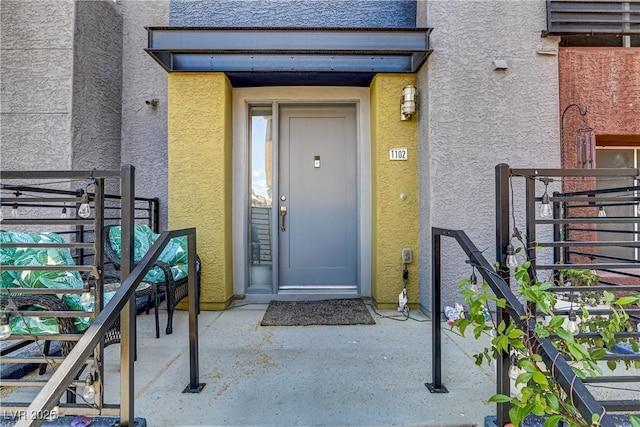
(408, 103)
(585, 140)
(586, 147)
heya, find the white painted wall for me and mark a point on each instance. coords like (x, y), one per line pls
(473, 117)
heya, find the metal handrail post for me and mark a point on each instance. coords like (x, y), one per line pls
(80, 230)
(558, 235)
(98, 262)
(127, 315)
(503, 238)
(156, 214)
(195, 386)
(530, 221)
(436, 332)
(530, 230)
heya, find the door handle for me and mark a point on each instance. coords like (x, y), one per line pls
(283, 213)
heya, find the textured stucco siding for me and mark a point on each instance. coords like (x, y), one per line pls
(478, 117)
(294, 13)
(200, 175)
(607, 80)
(97, 86)
(394, 220)
(36, 58)
(144, 127)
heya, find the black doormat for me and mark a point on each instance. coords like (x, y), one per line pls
(325, 312)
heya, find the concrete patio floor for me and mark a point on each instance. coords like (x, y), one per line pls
(301, 376)
(305, 376)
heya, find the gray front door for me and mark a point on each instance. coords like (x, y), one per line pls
(317, 191)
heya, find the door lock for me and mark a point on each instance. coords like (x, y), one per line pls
(283, 213)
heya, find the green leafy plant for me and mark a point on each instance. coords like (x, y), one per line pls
(539, 393)
(582, 277)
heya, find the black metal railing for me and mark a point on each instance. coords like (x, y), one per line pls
(617, 241)
(46, 204)
(614, 17)
(41, 212)
(54, 201)
(573, 211)
(514, 311)
(579, 208)
(41, 207)
(121, 304)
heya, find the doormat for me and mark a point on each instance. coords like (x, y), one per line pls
(325, 312)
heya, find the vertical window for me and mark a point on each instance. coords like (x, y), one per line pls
(261, 182)
(618, 157)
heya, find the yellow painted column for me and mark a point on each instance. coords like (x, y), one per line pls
(395, 220)
(200, 181)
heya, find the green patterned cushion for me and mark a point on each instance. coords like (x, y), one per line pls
(33, 325)
(49, 325)
(143, 239)
(40, 278)
(174, 254)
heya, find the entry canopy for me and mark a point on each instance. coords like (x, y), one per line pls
(290, 56)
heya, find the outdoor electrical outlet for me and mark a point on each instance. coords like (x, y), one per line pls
(407, 255)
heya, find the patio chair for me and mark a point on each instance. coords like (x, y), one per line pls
(32, 255)
(63, 325)
(170, 272)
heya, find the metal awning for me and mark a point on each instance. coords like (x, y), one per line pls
(267, 56)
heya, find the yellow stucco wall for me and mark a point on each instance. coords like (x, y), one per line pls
(200, 181)
(199, 151)
(395, 222)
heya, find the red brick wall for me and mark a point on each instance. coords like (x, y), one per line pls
(607, 80)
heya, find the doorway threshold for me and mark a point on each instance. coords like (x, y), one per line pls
(318, 288)
(301, 295)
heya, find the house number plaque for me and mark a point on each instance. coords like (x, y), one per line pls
(398, 153)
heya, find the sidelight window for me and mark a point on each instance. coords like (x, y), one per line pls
(261, 195)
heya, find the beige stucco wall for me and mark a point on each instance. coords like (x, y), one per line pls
(199, 151)
(394, 220)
